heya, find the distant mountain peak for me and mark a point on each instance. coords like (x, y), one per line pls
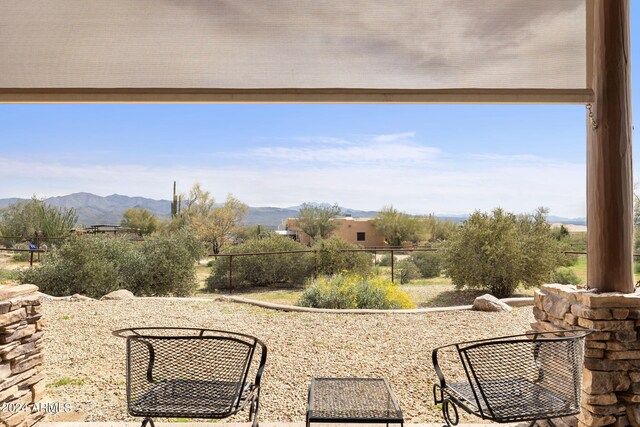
(94, 209)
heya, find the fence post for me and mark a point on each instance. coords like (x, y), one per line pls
(392, 257)
(31, 259)
(315, 262)
(230, 274)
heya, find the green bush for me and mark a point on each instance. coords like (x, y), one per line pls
(428, 263)
(21, 256)
(385, 261)
(407, 271)
(97, 265)
(25, 219)
(566, 276)
(500, 251)
(567, 260)
(259, 270)
(333, 257)
(636, 267)
(84, 265)
(165, 265)
(351, 291)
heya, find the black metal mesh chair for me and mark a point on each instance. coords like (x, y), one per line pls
(517, 378)
(192, 373)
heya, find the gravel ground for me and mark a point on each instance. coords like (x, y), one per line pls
(81, 351)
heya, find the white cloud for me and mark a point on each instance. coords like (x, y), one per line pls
(362, 154)
(513, 157)
(392, 137)
(392, 148)
(451, 185)
(329, 140)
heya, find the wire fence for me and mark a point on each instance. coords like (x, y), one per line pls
(392, 250)
(374, 250)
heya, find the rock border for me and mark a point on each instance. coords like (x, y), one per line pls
(513, 302)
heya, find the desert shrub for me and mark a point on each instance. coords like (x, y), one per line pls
(398, 227)
(258, 270)
(85, 265)
(428, 263)
(97, 265)
(500, 251)
(385, 261)
(165, 265)
(25, 219)
(407, 271)
(566, 276)
(333, 257)
(139, 219)
(568, 260)
(636, 267)
(352, 291)
(21, 256)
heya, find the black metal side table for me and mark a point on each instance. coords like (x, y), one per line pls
(352, 400)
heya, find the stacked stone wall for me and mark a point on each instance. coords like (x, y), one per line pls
(21, 340)
(611, 375)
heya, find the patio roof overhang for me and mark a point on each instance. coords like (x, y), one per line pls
(417, 51)
(481, 51)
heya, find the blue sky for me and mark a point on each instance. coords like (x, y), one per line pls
(446, 159)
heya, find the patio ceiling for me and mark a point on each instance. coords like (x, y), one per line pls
(295, 50)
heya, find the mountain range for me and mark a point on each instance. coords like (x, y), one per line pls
(93, 209)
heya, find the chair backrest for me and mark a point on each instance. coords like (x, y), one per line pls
(212, 363)
(526, 378)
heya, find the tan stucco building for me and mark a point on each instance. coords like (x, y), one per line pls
(359, 231)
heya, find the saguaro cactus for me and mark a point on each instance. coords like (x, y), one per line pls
(175, 203)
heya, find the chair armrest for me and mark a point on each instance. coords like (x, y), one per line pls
(152, 359)
(263, 361)
(436, 364)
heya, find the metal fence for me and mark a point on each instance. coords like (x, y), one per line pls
(373, 250)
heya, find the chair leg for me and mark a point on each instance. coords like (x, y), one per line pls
(448, 418)
(149, 421)
(256, 411)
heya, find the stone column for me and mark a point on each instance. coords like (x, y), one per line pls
(611, 375)
(21, 380)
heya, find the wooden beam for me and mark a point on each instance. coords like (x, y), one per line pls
(609, 173)
(290, 95)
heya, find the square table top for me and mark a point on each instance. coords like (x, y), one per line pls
(352, 400)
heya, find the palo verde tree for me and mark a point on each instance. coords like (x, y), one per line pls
(397, 227)
(500, 251)
(318, 221)
(26, 219)
(207, 221)
(227, 221)
(139, 219)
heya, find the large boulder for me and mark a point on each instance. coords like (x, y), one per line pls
(117, 295)
(488, 302)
